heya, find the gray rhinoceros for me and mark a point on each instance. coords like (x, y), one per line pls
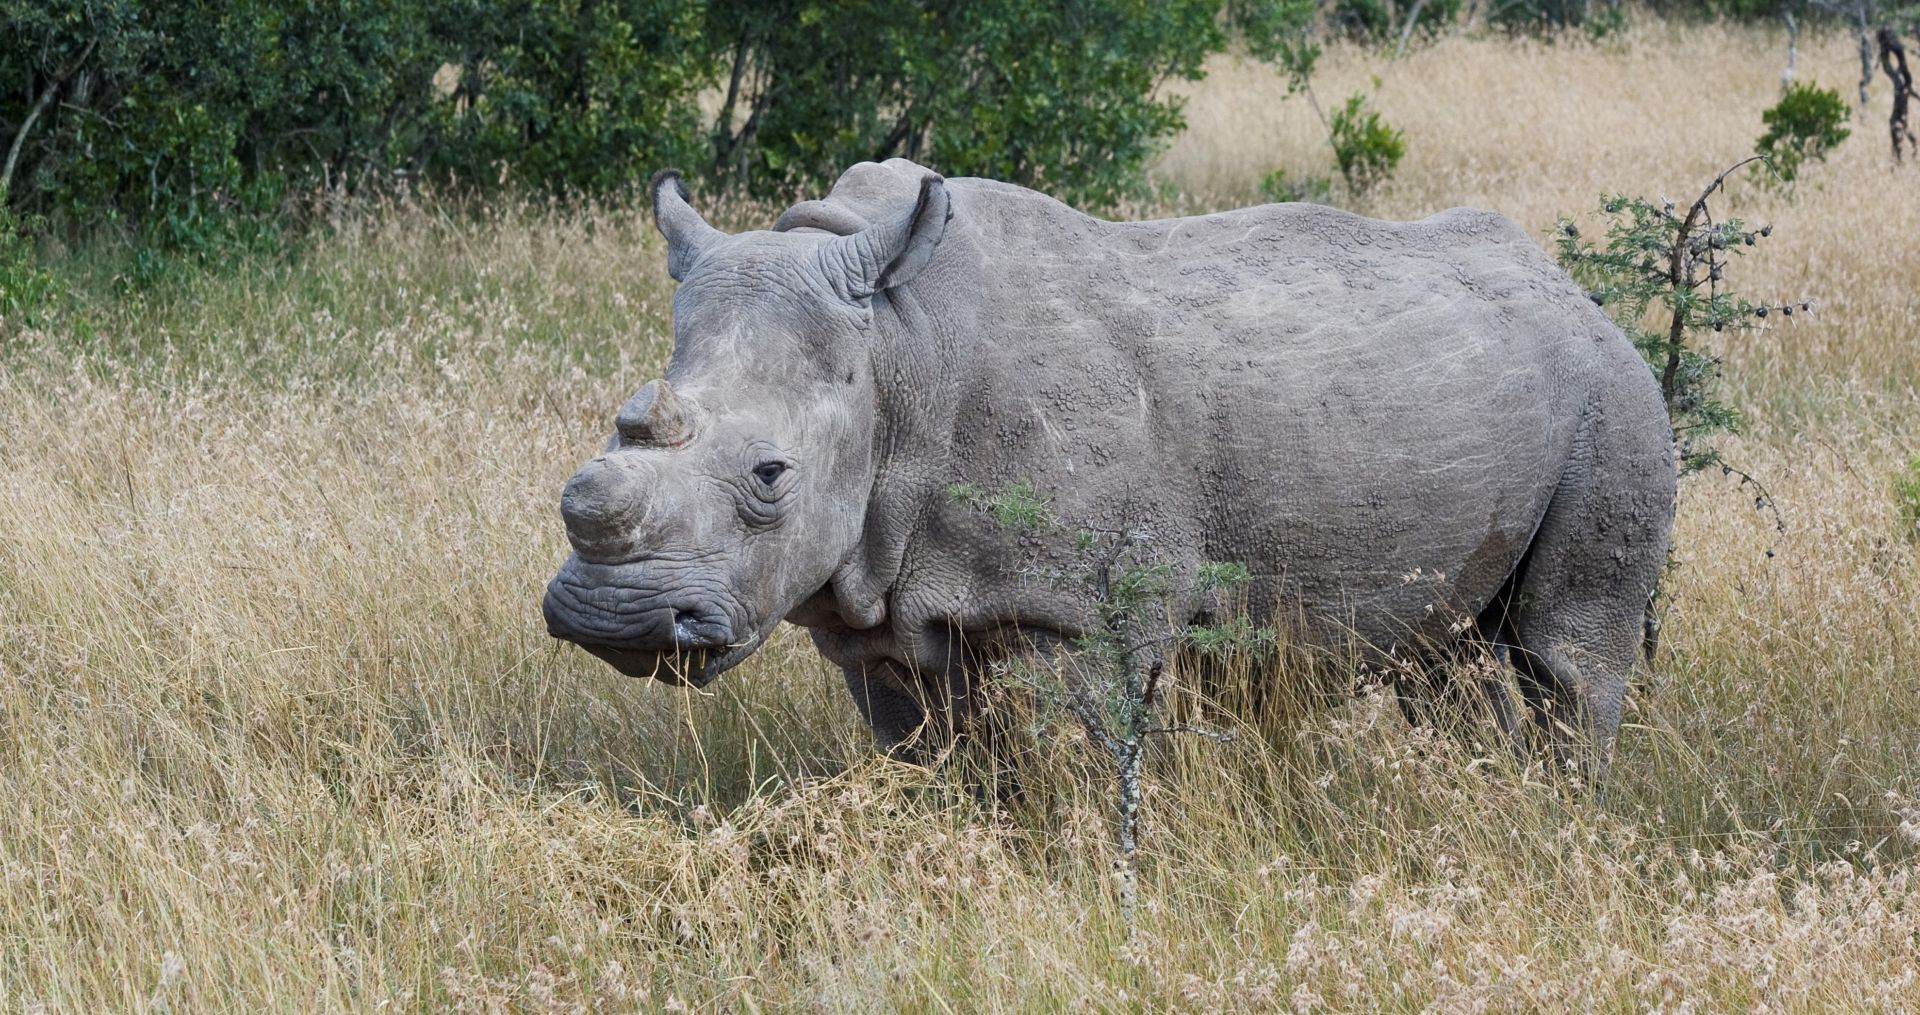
(1339, 403)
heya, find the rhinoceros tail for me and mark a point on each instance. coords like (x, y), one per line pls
(1650, 629)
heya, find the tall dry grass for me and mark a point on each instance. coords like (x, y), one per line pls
(280, 728)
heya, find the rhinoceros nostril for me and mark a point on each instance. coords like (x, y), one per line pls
(693, 631)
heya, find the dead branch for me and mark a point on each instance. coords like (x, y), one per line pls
(1680, 272)
(1893, 60)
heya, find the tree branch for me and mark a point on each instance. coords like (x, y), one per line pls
(1680, 275)
(1406, 31)
(723, 139)
(1214, 735)
(26, 126)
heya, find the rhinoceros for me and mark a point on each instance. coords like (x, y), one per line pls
(1392, 425)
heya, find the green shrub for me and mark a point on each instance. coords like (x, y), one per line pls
(1538, 15)
(1281, 188)
(1064, 97)
(178, 119)
(25, 287)
(1660, 276)
(1366, 149)
(1805, 125)
(182, 117)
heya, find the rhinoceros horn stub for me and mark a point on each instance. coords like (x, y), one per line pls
(655, 417)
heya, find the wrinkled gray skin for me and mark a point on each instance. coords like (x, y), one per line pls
(1336, 402)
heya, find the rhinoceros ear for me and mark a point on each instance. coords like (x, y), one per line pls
(892, 252)
(688, 235)
(654, 417)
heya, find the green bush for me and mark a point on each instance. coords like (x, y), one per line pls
(1805, 125)
(181, 117)
(1661, 275)
(1366, 149)
(565, 95)
(1598, 18)
(1281, 188)
(25, 287)
(1538, 15)
(1063, 96)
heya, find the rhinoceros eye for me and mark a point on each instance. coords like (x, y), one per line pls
(770, 472)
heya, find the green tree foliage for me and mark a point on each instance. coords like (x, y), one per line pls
(1594, 20)
(1059, 96)
(175, 113)
(1805, 125)
(1279, 32)
(1386, 20)
(185, 115)
(1537, 15)
(585, 95)
(25, 287)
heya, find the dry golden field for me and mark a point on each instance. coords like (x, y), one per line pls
(281, 728)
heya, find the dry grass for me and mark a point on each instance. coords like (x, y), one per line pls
(280, 729)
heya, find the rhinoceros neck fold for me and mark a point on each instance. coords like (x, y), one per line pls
(925, 334)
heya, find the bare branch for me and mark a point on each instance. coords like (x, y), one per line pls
(1762, 500)
(1406, 31)
(1214, 735)
(47, 94)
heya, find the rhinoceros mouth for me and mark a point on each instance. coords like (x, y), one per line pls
(685, 636)
(695, 669)
(679, 669)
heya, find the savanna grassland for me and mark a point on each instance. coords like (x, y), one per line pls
(281, 728)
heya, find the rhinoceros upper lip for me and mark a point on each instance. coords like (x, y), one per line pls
(607, 593)
(600, 608)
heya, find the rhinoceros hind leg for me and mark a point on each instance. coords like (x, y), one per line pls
(1456, 688)
(1579, 603)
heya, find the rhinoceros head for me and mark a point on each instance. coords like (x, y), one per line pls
(733, 490)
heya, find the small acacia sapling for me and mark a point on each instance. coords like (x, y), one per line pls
(1111, 683)
(1660, 275)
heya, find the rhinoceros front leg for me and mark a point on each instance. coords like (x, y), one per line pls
(933, 715)
(917, 715)
(1457, 687)
(895, 708)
